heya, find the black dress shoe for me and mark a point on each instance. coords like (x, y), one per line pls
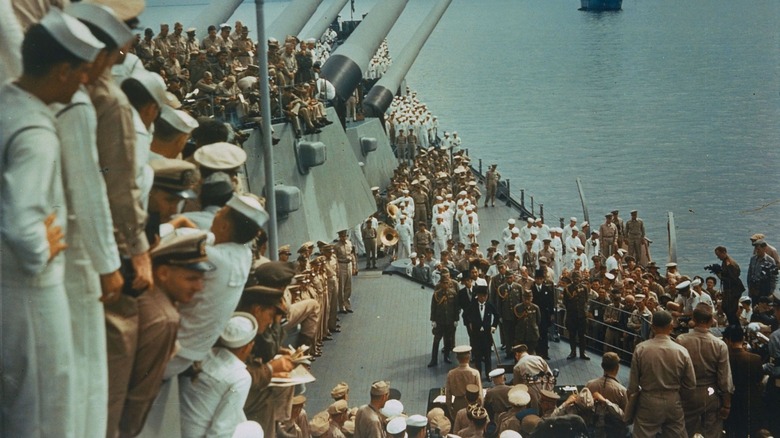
(343, 312)
(432, 364)
(350, 311)
(336, 330)
(327, 338)
(584, 357)
(571, 356)
(447, 359)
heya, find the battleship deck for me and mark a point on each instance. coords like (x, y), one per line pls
(389, 338)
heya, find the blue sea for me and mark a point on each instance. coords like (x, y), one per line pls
(665, 106)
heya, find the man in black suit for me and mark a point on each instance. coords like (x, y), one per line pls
(465, 298)
(482, 321)
(544, 297)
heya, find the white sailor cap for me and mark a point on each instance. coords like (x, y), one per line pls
(180, 120)
(515, 230)
(462, 193)
(405, 191)
(580, 246)
(191, 29)
(417, 421)
(396, 425)
(250, 207)
(123, 9)
(311, 40)
(509, 433)
(152, 83)
(639, 297)
(671, 265)
(392, 408)
(172, 101)
(220, 156)
(481, 282)
(72, 34)
(744, 299)
(534, 233)
(240, 330)
(439, 198)
(375, 189)
(496, 372)
(224, 25)
(413, 255)
(448, 196)
(575, 229)
(510, 221)
(683, 284)
(104, 18)
(610, 276)
(460, 349)
(585, 224)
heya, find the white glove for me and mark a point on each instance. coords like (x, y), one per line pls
(492, 330)
(433, 324)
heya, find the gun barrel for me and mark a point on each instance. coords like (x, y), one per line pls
(345, 67)
(318, 26)
(292, 20)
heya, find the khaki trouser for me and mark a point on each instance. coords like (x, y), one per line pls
(122, 343)
(702, 412)
(659, 412)
(345, 285)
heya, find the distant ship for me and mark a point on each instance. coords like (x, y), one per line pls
(601, 5)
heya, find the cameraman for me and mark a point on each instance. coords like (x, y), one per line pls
(730, 283)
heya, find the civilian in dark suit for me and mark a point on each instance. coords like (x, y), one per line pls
(747, 414)
(465, 299)
(544, 297)
(482, 320)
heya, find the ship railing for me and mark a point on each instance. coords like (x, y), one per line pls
(504, 192)
(596, 332)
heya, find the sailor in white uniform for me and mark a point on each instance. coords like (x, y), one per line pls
(92, 263)
(36, 341)
(405, 236)
(441, 233)
(213, 403)
(202, 319)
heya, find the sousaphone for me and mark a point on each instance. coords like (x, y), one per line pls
(387, 235)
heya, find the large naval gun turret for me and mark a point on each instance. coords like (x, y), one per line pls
(381, 95)
(345, 67)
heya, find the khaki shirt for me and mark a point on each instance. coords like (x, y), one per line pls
(660, 364)
(710, 358)
(368, 423)
(458, 379)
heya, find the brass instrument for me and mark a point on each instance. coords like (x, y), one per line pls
(387, 235)
(392, 211)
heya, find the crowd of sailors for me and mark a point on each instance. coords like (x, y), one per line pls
(134, 266)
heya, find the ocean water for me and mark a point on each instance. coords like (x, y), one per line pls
(665, 106)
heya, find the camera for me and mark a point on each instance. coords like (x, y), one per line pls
(713, 268)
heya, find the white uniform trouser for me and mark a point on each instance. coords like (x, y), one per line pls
(37, 360)
(404, 250)
(82, 284)
(438, 247)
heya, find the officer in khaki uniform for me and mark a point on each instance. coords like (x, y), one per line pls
(347, 262)
(704, 408)
(660, 369)
(368, 421)
(180, 263)
(444, 317)
(457, 380)
(491, 184)
(369, 240)
(528, 318)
